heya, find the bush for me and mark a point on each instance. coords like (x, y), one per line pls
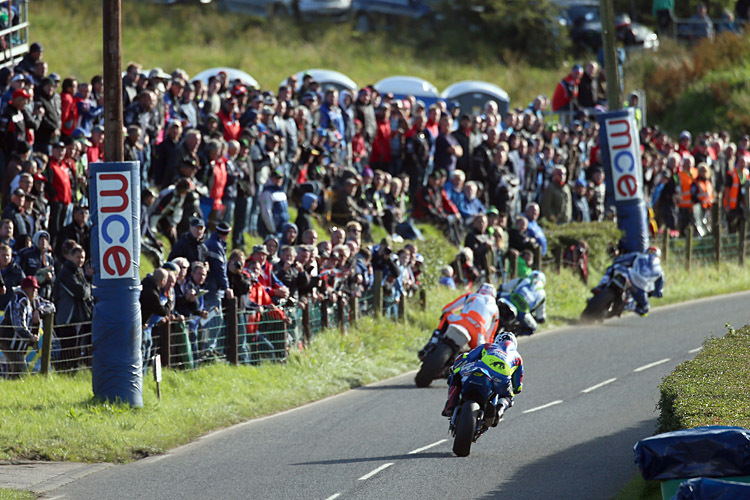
(598, 235)
(712, 389)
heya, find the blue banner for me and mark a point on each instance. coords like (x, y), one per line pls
(620, 145)
(114, 191)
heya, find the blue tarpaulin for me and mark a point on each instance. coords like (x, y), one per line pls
(714, 451)
(703, 488)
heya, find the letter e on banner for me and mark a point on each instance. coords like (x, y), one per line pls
(625, 156)
(115, 216)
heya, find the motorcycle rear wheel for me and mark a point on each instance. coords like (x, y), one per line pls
(599, 304)
(433, 365)
(466, 427)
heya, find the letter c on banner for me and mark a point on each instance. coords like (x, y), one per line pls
(115, 218)
(629, 166)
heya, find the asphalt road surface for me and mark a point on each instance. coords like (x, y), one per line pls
(589, 394)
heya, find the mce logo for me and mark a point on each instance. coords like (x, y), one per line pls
(115, 218)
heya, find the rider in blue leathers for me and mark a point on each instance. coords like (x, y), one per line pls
(646, 276)
(528, 296)
(502, 360)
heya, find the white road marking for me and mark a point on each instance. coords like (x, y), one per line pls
(553, 403)
(651, 365)
(595, 387)
(692, 351)
(427, 447)
(334, 496)
(370, 474)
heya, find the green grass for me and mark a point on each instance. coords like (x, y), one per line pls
(6, 494)
(639, 489)
(196, 38)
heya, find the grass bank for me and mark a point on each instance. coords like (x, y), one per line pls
(196, 37)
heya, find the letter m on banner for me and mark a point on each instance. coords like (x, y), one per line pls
(115, 219)
(625, 157)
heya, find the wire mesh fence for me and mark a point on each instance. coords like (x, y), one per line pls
(230, 334)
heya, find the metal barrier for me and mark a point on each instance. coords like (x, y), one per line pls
(14, 32)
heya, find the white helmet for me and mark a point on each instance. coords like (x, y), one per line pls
(487, 289)
(502, 337)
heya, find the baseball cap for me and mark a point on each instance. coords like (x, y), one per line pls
(223, 228)
(277, 172)
(18, 77)
(171, 266)
(19, 192)
(29, 282)
(685, 135)
(36, 47)
(97, 128)
(58, 144)
(260, 249)
(21, 93)
(55, 77)
(197, 222)
(157, 72)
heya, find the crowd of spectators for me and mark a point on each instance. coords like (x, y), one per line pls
(221, 160)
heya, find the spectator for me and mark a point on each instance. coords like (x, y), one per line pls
(557, 202)
(581, 210)
(274, 207)
(565, 97)
(446, 278)
(190, 245)
(156, 306)
(72, 297)
(701, 25)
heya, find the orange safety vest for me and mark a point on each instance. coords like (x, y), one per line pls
(732, 191)
(705, 192)
(686, 181)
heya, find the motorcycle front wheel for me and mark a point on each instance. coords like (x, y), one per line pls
(466, 427)
(433, 365)
(598, 305)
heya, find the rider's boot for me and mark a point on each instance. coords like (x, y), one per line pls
(430, 344)
(450, 404)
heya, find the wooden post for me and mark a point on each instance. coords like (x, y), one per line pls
(743, 234)
(112, 32)
(47, 321)
(354, 309)
(488, 266)
(402, 307)
(231, 329)
(423, 299)
(689, 248)
(324, 314)
(558, 258)
(164, 331)
(537, 258)
(513, 261)
(716, 231)
(341, 312)
(665, 245)
(306, 330)
(377, 294)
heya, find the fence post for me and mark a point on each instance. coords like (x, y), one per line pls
(513, 261)
(716, 231)
(354, 308)
(341, 313)
(488, 266)
(165, 343)
(665, 245)
(324, 314)
(423, 299)
(537, 258)
(558, 258)
(689, 248)
(402, 308)
(230, 322)
(306, 323)
(47, 321)
(743, 233)
(377, 294)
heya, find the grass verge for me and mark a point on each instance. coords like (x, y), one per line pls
(639, 489)
(6, 494)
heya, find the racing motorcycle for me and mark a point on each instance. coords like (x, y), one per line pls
(614, 294)
(439, 356)
(477, 409)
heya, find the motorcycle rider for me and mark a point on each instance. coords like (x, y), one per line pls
(477, 310)
(505, 366)
(646, 276)
(529, 298)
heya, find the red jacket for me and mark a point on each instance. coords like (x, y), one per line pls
(218, 181)
(381, 146)
(60, 182)
(69, 113)
(232, 129)
(565, 92)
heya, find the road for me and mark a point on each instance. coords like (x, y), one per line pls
(589, 394)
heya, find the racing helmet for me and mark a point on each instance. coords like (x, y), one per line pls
(502, 337)
(539, 276)
(654, 250)
(487, 289)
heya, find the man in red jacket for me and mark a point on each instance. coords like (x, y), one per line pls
(566, 92)
(62, 194)
(380, 158)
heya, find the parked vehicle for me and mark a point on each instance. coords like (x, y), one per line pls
(472, 95)
(232, 75)
(328, 79)
(402, 86)
(369, 14)
(584, 23)
(337, 10)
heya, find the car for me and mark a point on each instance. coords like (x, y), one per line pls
(369, 14)
(337, 10)
(327, 78)
(402, 86)
(472, 95)
(582, 19)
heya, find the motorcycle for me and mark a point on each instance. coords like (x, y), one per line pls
(477, 409)
(439, 357)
